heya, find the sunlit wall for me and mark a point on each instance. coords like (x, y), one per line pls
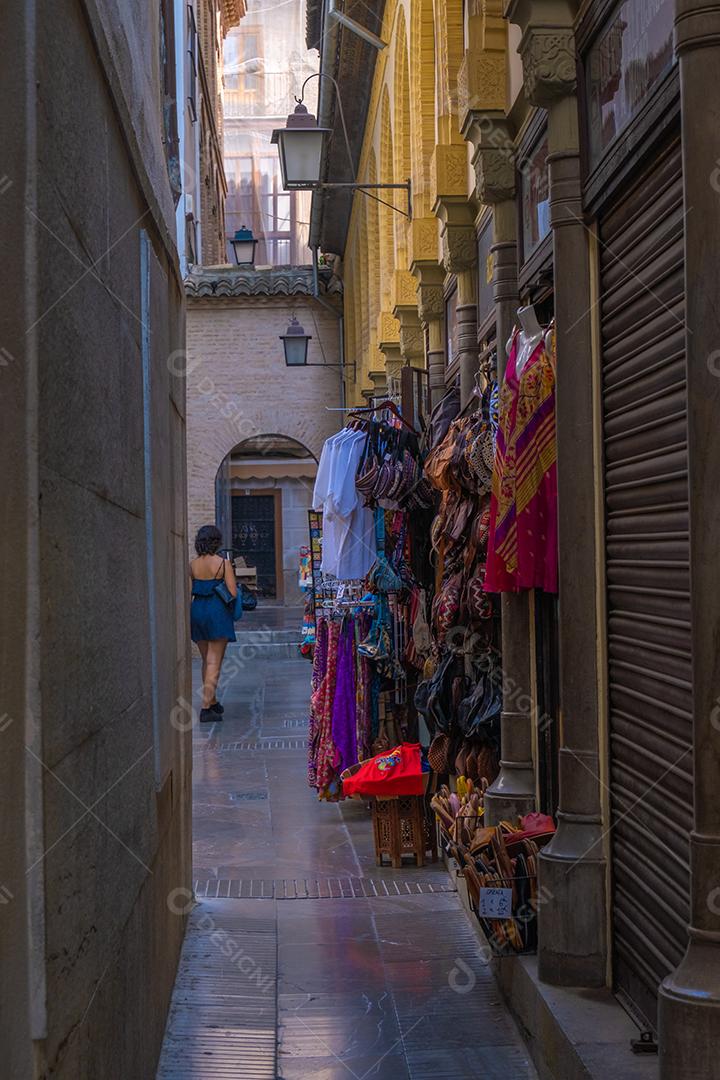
(265, 64)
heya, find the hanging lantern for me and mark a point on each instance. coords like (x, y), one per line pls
(243, 245)
(300, 147)
(295, 344)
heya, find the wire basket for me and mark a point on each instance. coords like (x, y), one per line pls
(502, 889)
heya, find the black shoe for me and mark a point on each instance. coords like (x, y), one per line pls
(217, 708)
(208, 716)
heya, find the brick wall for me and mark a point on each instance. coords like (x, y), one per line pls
(238, 385)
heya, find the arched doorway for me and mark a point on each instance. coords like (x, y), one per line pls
(263, 491)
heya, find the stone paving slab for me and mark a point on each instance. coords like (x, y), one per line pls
(303, 959)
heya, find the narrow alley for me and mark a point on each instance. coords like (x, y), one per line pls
(302, 958)
(360, 363)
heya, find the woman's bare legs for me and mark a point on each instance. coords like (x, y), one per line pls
(203, 647)
(213, 667)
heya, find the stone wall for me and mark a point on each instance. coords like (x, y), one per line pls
(98, 797)
(239, 387)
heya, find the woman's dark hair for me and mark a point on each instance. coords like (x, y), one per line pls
(208, 540)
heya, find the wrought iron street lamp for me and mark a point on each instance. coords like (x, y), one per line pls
(244, 245)
(295, 344)
(301, 145)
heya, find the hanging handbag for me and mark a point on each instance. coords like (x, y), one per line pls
(446, 606)
(235, 603)
(480, 711)
(382, 578)
(420, 628)
(478, 603)
(439, 713)
(220, 589)
(377, 646)
(440, 418)
(439, 753)
(480, 455)
(367, 469)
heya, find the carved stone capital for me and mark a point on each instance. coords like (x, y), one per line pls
(412, 338)
(459, 248)
(494, 155)
(430, 300)
(449, 170)
(403, 292)
(423, 240)
(431, 303)
(494, 175)
(379, 381)
(549, 63)
(388, 330)
(457, 233)
(482, 83)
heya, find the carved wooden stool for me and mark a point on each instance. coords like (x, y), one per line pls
(402, 827)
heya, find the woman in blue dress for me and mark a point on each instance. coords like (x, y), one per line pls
(211, 619)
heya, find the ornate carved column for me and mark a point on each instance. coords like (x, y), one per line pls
(689, 1007)
(572, 924)
(482, 108)
(388, 339)
(424, 243)
(431, 308)
(456, 212)
(493, 160)
(459, 255)
(412, 342)
(379, 384)
(467, 329)
(405, 310)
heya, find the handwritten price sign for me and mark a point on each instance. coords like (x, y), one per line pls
(495, 903)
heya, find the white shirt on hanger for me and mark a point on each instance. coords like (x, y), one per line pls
(348, 526)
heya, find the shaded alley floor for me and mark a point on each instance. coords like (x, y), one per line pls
(302, 958)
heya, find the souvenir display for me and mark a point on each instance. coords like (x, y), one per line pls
(407, 680)
(366, 598)
(459, 697)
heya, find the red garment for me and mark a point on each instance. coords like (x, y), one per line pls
(395, 772)
(522, 544)
(326, 755)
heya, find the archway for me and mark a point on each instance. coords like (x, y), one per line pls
(263, 491)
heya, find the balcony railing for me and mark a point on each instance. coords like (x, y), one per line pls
(270, 94)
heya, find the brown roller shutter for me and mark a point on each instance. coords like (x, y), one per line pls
(648, 586)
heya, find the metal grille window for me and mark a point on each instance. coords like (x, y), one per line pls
(254, 534)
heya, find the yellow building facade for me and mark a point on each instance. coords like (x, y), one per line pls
(439, 65)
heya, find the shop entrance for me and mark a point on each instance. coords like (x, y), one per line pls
(263, 492)
(256, 532)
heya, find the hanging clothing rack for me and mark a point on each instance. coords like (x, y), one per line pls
(388, 404)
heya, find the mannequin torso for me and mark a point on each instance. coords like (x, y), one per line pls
(530, 336)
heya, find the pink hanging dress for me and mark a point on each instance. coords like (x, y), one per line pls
(522, 544)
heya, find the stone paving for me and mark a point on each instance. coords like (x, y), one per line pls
(377, 974)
